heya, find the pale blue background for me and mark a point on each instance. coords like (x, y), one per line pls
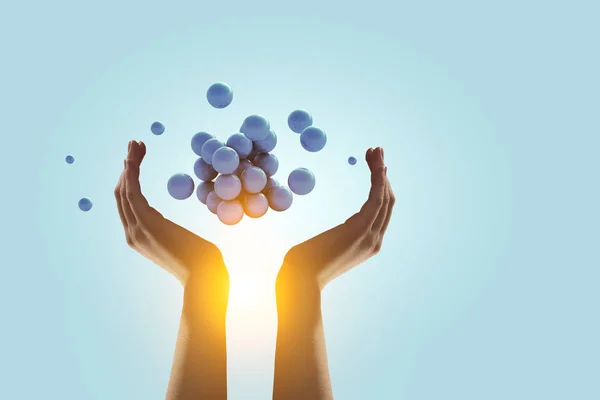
(487, 284)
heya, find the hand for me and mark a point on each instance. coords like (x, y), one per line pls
(177, 250)
(337, 250)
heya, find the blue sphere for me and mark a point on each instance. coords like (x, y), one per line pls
(85, 204)
(230, 212)
(204, 171)
(225, 160)
(254, 179)
(301, 181)
(209, 148)
(351, 160)
(198, 141)
(267, 144)
(203, 189)
(213, 201)
(228, 187)
(255, 205)
(271, 183)
(157, 128)
(70, 159)
(268, 163)
(243, 165)
(241, 144)
(256, 127)
(280, 198)
(299, 120)
(219, 95)
(313, 139)
(180, 186)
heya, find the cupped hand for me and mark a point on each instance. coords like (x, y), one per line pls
(337, 250)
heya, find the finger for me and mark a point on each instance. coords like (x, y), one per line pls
(119, 202)
(372, 206)
(390, 207)
(137, 202)
(127, 211)
(381, 216)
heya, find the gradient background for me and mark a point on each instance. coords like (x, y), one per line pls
(487, 284)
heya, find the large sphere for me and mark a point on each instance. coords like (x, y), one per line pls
(225, 160)
(204, 171)
(254, 179)
(228, 187)
(85, 204)
(299, 120)
(313, 139)
(267, 144)
(203, 189)
(241, 144)
(213, 201)
(209, 148)
(230, 212)
(268, 163)
(255, 205)
(301, 181)
(219, 95)
(280, 198)
(157, 128)
(256, 127)
(198, 141)
(180, 186)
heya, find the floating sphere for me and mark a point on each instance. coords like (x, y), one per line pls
(268, 163)
(209, 148)
(351, 160)
(180, 186)
(267, 144)
(301, 181)
(85, 204)
(219, 95)
(313, 139)
(228, 187)
(243, 165)
(213, 201)
(256, 127)
(255, 205)
(299, 120)
(230, 212)
(157, 128)
(254, 179)
(69, 159)
(203, 189)
(198, 141)
(271, 183)
(280, 198)
(241, 144)
(204, 171)
(225, 160)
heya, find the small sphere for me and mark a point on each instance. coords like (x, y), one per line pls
(301, 181)
(352, 160)
(230, 212)
(158, 128)
(271, 183)
(267, 144)
(268, 163)
(180, 186)
(213, 201)
(85, 204)
(225, 160)
(228, 187)
(241, 144)
(209, 148)
(313, 139)
(70, 159)
(255, 205)
(203, 189)
(299, 120)
(243, 165)
(254, 179)
(204, 171)
(198, 141)
(256, 127)
(280, 198)
(219, 95)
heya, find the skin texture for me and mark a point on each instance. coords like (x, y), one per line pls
(301, 369)
(200, 362)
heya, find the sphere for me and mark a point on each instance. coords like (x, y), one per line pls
(241, 144)
(225, 160)
(243, 165)
(267, 144)
(85, 204)
(313, 139)
(254, 179)
(256, 127)
(280, 198)
(230, 212)
(198, 141)
(301, 181)
(351, 160)
(271, 183)
(213, 201)
(157, 128)
(255, 205)
(180, 186)
(204, 171)
(219, 95)
(299, 120)
(69, 159)
(203, 189)
(228, 187)
(267, 162)
(208, 149)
